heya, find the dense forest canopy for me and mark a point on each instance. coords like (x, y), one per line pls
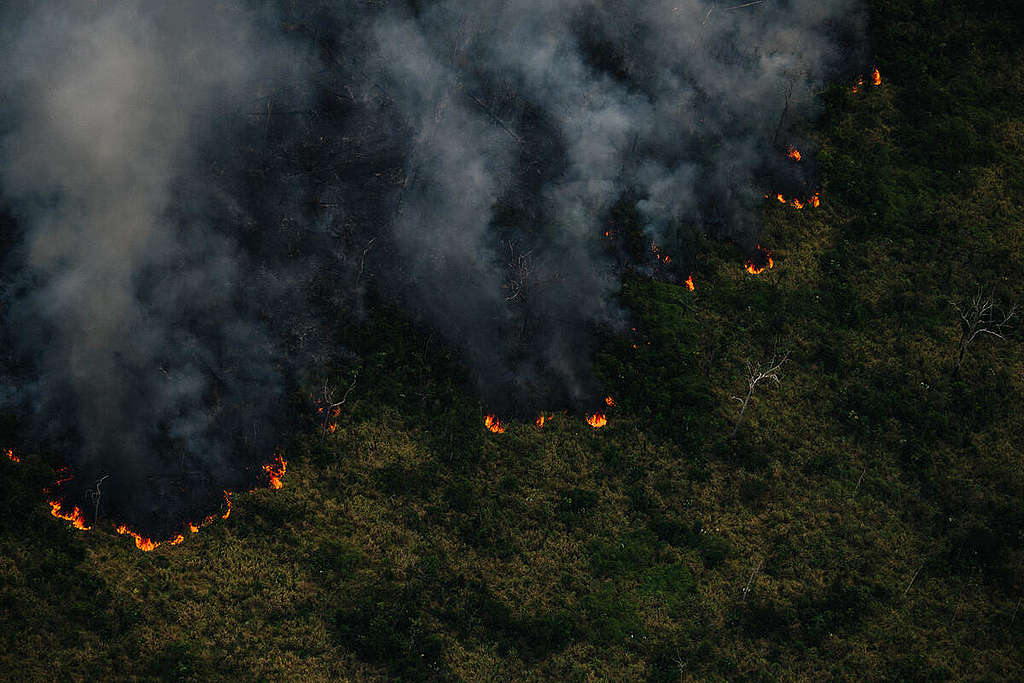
(857, 512)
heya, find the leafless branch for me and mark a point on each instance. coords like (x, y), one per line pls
(756, 374)
(518, 269)
(981, 317)
(95, 494)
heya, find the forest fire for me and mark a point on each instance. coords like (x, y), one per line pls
(609, 401)
(794, 154)
(659, 255)
(493, 424)
(141, 542)
(876, 80)
(541, 419)
(9, 452)
(76, 517)
(796, 203)
(597, 420)
(275, 470)
(768, 264)
(689, 283)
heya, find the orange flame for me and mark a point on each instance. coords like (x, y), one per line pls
(876, 78)
(755, 269)
(541, 419)
(782, 200)
(597, 420)
(659, 255)
(275, 470)
(609, 401)
(794, 154)
(815, 201)
(689, 283)
(796, 203)
(11, 456)
(860, 84)
(492, 423)
(141, 542)
(76, 517)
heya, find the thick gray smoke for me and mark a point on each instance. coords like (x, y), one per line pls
(192, 192)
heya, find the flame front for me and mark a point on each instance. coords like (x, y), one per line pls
(141, 542)
(597, 420)
(876, 78)
(493, 424)
(275, 470)
(76, 517)
(755, 269)
(609, 401)
(794, 154)
(689, 283)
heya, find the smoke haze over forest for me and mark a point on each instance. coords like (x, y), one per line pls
(195, 195)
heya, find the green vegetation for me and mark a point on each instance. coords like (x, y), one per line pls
(866, 523)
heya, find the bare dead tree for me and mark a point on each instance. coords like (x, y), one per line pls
(95, 494)
(329, 406)
(980, 317)
(756, 374)
(518, 269)
(753, 576)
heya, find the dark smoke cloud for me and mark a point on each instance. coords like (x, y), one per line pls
(195, 193)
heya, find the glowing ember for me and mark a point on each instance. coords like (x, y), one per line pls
(11, 456)
(794, 154)
(597, 420)
(689, 282)
(860, 84)
(876, 78)
(227, 501)
(492, 423)
(275, 470)
(659, 255)
(76, 517)
(755, 269)
(63, 476)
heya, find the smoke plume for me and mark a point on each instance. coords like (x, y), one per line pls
(193, 194)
